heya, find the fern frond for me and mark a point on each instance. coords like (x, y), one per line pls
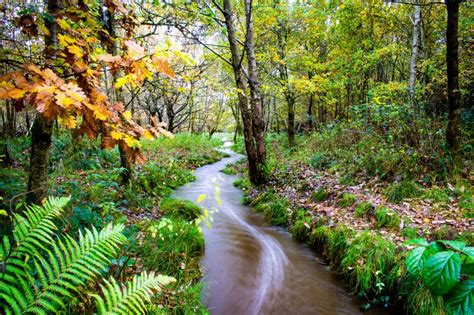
(34, 230)
(42, 274)
(130, 299)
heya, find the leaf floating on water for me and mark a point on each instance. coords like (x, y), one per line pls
(201, 198)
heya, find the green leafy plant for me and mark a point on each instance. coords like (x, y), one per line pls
(116, 299)
(446, 269)
(319, 195)
(44, 274)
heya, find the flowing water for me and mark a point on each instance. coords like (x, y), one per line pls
(251, 267)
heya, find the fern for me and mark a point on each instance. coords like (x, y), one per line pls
(131, 298)
(42, 274)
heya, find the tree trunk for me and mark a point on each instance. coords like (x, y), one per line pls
(254, 85)
(454, 95)
(282, 32)
(125, 161)
(42, 128)
(255, 173)
(414, 54)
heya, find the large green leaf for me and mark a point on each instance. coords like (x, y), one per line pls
(457, 245)
(469, 251)
(460, 300)
(415, 260)
(441, 272)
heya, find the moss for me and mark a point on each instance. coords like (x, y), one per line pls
(400, 191)
(364, 208)
(347, 200)
(319, 195)
(182, 208)
(387, 218)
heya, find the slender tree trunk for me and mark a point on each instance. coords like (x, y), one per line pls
(284, 77)
(42, 129)
(255, 172)
(414, 54)
(255, 97)
(454, 95)
(125, 160)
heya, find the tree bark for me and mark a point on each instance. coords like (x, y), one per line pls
(125, 160)
(255, 172)
(42, 129)
(454, 95)
(254, 85)
(284, 77)
(414, 54)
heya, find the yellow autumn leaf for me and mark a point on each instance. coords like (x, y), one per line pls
(127, 115)
(122, 81)
(16, 93)
(64, 101)
(69, 122)
(201, 198)
(75, 50)
(116, 135)
(148, 135)
(63, 24)
(131, 142)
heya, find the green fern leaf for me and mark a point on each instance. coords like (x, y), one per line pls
(132, 298)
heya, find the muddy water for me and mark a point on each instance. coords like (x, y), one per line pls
(253, 268)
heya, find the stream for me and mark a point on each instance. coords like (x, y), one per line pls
(251, 267)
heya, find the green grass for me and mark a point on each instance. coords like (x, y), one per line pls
(347, 200)
(387, 218)
(363, 209)
(319, 195)
(185, 209)
(368, 260)
(405, 189)
(275, 209)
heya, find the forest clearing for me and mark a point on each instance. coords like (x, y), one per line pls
(236, 157)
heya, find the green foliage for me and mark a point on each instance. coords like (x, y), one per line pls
(387, 218)
(43, 274)
(185, 209)
(447, 270)
(229, 169)
(319, 161)
(242, 183)
(301, 227)
(117, 299)
(363, 209)
(172, 246)
(319, 195)
(368, 261)
(347, 200)
(274, 208)
(405, 189)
